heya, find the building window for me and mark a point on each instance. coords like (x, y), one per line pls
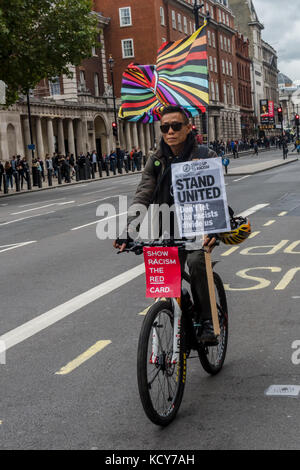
(94, 53)
(225, 93)
(162, 16)
(127, 48)
(96, 84)
(209, 38)
(211, 64)
(179, 22)
(221, 42)
(217, 92)
(229, 45)
(215, 63)
(225, 44)
(223, 66)
(54, 86)
(213, 39)
(232, 95)
(213, 94)
(82, 86)
(173, 19)
(125, 16)
(191, 28)
(227, 68)
(230, 69)
(220, 16)
(212, 13)
(185, 28)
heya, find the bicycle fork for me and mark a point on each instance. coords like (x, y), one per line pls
(176, 336)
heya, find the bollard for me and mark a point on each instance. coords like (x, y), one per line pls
(77, 173)
(17, 181)
(68, 174)
(28, 180)
(39, 179)
(100, 169)
(49, 177)
(5, 187)
(59, 175)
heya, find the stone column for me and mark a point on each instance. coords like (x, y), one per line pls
(128, 137)
(39, 139)
(61, 138)
(135, 134)
(28, 153)
(211, 129)
(148, 138)
(80, 147)
(85, 137)
(51, 147)
(141, 137)
(121, 135)
(71, 141)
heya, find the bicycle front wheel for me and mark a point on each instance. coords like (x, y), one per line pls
(161, 381)
(212, 357)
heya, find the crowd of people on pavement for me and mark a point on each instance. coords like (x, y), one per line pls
(64, 167)
(69, 167)
(235, 146)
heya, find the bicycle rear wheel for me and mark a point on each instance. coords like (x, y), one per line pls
(161, 383)
(212, 357)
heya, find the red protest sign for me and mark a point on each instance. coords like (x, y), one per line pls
(163, 273)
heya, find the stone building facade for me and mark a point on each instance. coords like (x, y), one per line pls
(243, 64)
(68, 114)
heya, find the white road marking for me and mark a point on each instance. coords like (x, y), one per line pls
(282, 214)
(100, 191)
(32, 327)
(97, 221)
(38, 202)
(98, 200)
(43, 207)
(240, 179)
(252, 210)
(25, 218)
(283, 391)
(14, 246)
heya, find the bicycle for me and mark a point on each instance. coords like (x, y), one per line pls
(170, 331)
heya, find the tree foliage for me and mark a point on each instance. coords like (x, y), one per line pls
(41, 38)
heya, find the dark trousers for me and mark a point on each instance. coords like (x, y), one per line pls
(199, 285)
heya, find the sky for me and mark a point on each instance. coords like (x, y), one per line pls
(281, 19)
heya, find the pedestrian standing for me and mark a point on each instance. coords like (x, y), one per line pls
(8, 174)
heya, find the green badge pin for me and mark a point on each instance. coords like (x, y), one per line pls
(157, 163)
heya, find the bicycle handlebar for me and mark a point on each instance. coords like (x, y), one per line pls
(137, 247)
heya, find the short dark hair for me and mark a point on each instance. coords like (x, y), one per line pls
(175, 109)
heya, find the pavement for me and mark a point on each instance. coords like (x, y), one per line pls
(246, 164)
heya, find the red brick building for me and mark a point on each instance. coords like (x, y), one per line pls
(243, 65)
(137, 30)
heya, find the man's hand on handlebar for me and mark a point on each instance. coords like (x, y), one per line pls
(120, 244)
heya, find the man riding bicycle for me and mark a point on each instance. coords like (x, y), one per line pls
(178, 144)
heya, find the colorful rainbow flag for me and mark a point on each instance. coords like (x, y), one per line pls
(180, 77)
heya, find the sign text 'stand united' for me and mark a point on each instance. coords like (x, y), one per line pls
(200, 197)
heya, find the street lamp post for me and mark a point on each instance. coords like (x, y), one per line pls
(111, 63)
(196, 9)
(30, 125)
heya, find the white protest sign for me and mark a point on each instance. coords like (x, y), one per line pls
(200, 197)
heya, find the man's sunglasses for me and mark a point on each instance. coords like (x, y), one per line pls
(176, 126)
